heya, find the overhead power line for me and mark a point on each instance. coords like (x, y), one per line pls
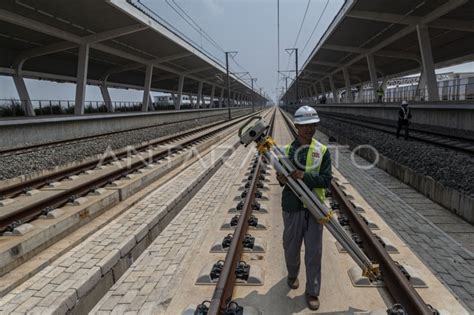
(193, 24)
(209, 37)
(299, 32)
(316, 26)
(278, 32)
(302, 23)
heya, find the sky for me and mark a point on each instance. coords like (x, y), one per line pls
(246, 26)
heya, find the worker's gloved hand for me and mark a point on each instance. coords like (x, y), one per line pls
(282, 179)
(297, 174)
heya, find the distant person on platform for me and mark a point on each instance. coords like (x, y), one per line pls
(404, 117)
(323, 99)
(313, 165)
(380, 94)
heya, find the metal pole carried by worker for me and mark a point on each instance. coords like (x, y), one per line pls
(267, 147)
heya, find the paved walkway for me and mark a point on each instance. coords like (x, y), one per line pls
(415, 219)
(101, 259)
(151, 282)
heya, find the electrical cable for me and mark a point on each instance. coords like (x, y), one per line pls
(302, 23)
(278, 32)
(200, 28)
(193, 24)
(315, 27)
(201, 31)
(299, 32)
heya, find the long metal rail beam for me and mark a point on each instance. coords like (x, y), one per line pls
(396, 283)
(225, 285)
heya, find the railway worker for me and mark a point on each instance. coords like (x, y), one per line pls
(323, 99)
(404, 117)
(380, 94)
(313, 163)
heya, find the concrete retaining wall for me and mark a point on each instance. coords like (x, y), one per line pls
(457, 202)
(457, 116)
(30, 131)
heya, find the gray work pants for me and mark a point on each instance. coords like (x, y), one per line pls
(299, 226)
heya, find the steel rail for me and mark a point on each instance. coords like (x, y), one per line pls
(396, 283)
(465, 145)
(225, 286)
(35, 209)
(47, 145)
(14, 190)
(392, 123)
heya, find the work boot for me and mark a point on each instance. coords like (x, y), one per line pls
(293, 283)
(313, 302)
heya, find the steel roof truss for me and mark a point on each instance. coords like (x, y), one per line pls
(449, 24)
(90, 39)
(52, 31)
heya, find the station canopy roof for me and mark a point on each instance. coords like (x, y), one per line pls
(387, 30)
(43, 37)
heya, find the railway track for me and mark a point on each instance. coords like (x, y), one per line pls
(13, 190)
(204, 162)
(233, 267)
(394, 277)
(452, 142)
(197, 266)
(57, 144)
(152, 153)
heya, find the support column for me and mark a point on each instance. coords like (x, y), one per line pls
(315, 90)
(23, 94)
(323, 90)
(174, 99)
(373, 74)
(235, 98)
(420, 89)
(221, 97)
(179, 98)
(315, 95)
(333, 89)
(81, 81)
(150, 104)
(211, 101)
(106, 96)
(427, 60)
(199, 96)
(146, 88)
(349, 97)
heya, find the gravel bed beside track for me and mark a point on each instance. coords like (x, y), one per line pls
(442, 130)
(43, 159)
(452, 169)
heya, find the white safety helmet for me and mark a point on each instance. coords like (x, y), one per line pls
(404, 103)
(306, 115)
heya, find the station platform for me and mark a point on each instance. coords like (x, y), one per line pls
(22, 131)
(450, 115)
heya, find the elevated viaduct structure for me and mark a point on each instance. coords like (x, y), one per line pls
(370, 41)
(107, 43)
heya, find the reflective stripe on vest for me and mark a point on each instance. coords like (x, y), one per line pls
(314, 158)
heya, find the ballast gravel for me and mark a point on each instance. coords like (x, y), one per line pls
(450, 168)
(49, 158)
